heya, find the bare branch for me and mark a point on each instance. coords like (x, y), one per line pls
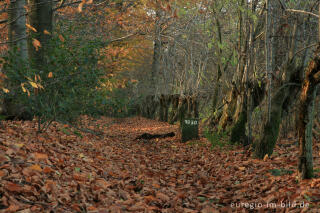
(302, 49)
(65, 5)
(8, 42)
(302, 11)
(283, 6)
(122, 38)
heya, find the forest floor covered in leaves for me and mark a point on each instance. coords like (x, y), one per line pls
(64, 170)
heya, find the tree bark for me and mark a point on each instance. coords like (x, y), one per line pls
(155, 70)
(40, 18)
(305, 119)
(18, 44)
(174, 109)
(271, 128)
(229, 109)
(17, 28)
(267, 142)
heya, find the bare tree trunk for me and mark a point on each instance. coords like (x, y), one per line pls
(229, 108)
(174, 109)
(268, 56)
(18, 44)
(270, 134)
(243, 113)
(156, 53)
(271, 128)
(40, 18)
(219, 73)
(305, 120)
(17, 28)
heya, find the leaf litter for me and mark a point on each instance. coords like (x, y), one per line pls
(113, 172)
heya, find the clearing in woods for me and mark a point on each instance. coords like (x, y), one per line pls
(64, 170)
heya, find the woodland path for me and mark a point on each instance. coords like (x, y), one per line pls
(61, 171)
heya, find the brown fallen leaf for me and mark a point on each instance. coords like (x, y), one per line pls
(79, 177)
(76, 207)
(47, 170)
(162, 196)
(209, 209)
(10, 152)
(115, 209)
(13, 208)
(13, 187)
(155, 185)
(24, 211)
(103, 183)
(3, 157)
(123, 194)
(91, 208)
(140, 206)
(50, 186)
(3, 173)
(242, 168)
(149, 199)
(36, 167)
(40, 156)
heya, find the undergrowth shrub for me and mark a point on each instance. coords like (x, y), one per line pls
(119, 103)
(63, 88)
(217, 138)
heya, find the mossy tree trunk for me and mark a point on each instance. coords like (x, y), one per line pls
(195, 106)
(151, 106)
(182, 108)
(17, 28)
(266, 143)
(40, 18)
(164, 107)
(305, 119)
(174, 109)
(17, 34)
(229, 109)
(238, 131)
(271, 128)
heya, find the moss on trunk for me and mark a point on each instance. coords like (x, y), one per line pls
(238, 131)
(305, 118)
(270, 135)
(40, 17)
(271, 128)
(174, 99)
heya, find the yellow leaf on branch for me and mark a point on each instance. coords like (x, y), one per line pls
(36, 44)
(31, 28)
(34, 85)
(5, 90)
(61, 38)
(46, 32)
(23, 88)
(80, 7)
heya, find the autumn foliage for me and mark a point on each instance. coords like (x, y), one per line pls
(64, 170)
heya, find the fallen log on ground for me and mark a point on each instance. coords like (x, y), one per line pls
(149, 136)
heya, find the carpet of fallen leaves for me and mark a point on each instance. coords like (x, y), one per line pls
(64, 170)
